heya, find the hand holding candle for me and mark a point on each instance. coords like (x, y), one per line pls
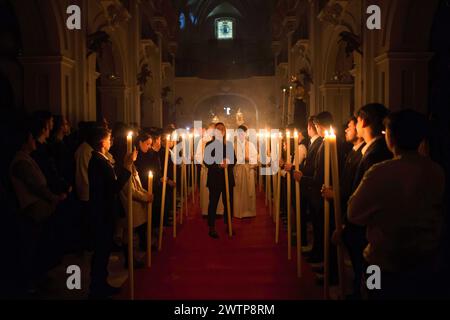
(163, 199)
(298, 208)
(128, 162)
(149, 220)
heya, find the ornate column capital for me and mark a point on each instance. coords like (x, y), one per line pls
(290, 24)
(115, 13)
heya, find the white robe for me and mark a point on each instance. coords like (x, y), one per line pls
(245, 178)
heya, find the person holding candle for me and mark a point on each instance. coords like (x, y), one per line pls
(350, 167)
(244, 176)
(401, 201)
(156, 165)
(323, 122)
(105, 183)
(302, 149)
(369, 127)
(204, 192)
(219, 153)
(140, 201)
(314, 143)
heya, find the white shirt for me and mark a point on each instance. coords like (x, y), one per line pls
(313, 139)
(357, 146)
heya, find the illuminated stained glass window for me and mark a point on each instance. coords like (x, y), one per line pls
(182, 20)
(224, 29)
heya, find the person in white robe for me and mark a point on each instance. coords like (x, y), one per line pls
(204, 191)
(245, 176)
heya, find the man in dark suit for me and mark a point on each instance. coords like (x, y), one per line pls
(370, 127)
(307, 168)
(219, 154)
(105, 183)
(323, 121)
(311, 181)
(347, 176)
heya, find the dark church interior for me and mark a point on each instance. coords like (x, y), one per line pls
(346, 103)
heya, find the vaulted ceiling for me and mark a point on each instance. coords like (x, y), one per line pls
(201, 9)
(247, 54)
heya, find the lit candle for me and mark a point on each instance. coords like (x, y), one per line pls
(268, 176)
(130, 142)
(184, 191)
(149, 221)
(337, 206)
(278, 185)
(130, 221)
(284, 107)
(174, 200)
(260, 181)
(326, 214)
(163, 199)
(288, 193)
(288, 147)
(191, 156)
(297, 208)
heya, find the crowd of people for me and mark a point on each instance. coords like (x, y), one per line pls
(66, 191)
(392, 199)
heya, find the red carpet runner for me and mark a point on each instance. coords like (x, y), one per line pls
(248, 266)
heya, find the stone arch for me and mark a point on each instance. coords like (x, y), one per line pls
(403, 32)
(211, 95)
(335, 59)
(41, 32)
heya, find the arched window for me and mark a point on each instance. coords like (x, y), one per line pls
(225, 29)
(182, 20)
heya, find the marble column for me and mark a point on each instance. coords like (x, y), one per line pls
(48, 81)
(337, 99)
(402, 79)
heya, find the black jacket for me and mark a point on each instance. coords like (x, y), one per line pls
(347, 177)
(44, 158)
(105, 184)
(377, 152)
(216, 174)
(310, 161)
(313, 184)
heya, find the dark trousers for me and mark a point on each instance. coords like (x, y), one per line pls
(214, 197)
(354, 238)
(304, 207)
(317, 216)
(103, 242)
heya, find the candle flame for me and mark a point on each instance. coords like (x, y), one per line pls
(150, 174)
(332, 134)
(130, 134)
(190, 135)
(295, 134)
(175, 137)
(291, 87)
(288, 134)
(326, 134)
(267, 135)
